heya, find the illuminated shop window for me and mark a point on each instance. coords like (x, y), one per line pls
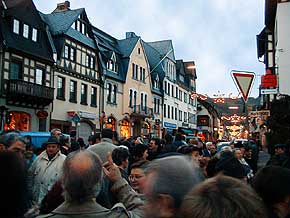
(18, 121)
(125, 129)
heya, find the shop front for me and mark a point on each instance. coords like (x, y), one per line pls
(125, 128)
(17, 120)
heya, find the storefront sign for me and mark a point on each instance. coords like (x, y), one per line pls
(170, 125)
(269, 80)
(264, 113)
(87, 115)
(42, 114)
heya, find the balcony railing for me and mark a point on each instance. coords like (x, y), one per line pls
(22, 91)
(139, 110)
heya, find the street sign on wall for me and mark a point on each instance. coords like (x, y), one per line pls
(269, 91)
(244, 82)
(263, 113)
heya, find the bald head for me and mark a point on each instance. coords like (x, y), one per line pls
(82, 174)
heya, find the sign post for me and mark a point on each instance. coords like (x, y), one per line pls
(244, 81)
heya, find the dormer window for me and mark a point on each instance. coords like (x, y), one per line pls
(80, 25)
(156, 83)
(112, 64)
(25, 31)
(34, 34)
(16, 25)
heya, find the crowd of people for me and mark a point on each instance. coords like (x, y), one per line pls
(168, 177)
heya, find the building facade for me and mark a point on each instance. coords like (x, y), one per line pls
(114, 72)
(168, 64)
(26, 68)
(273, 49)
(137, 95)
(186, 81)
(71, 75)
(77, 72)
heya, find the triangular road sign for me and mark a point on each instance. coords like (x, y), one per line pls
(244, 81)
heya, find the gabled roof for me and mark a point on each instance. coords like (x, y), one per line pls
(26, 12)
(154, 59)
(105, 40)
(164, 47)
(60, 24)
(126, 46)
(108, 46)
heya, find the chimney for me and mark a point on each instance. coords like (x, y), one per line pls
(130, 35)
(61, 7)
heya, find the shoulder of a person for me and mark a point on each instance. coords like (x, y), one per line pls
(120, 208)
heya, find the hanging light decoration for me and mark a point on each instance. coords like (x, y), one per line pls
(234, 118)
(218, 98)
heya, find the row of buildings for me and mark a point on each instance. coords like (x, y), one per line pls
(57, 70)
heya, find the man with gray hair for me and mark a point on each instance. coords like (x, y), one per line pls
(168, 180)
(82, 177)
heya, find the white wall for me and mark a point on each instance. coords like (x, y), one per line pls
(283, 46)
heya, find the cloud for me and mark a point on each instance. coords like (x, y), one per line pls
(219, 35)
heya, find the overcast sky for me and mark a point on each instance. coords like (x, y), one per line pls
(219, 35)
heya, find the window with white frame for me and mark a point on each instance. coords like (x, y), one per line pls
(88, 60)
(34, 34)
(16, 25)
(92, 62)
(39, 76)
(109, 92)
(185, 116)
(73, 91)
(142, 101)
(114, 96)
(25, 31)
(66, 52)
(135, 98)
(84, 89)
(136, 71)
(158, 106)
(72, 54)
(131, 98)
(93, 96)
(145, 102)
(180, 95)
(185, 97)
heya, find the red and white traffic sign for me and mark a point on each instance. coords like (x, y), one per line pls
(244, 82)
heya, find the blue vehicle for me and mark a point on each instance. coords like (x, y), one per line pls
(38, 138)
